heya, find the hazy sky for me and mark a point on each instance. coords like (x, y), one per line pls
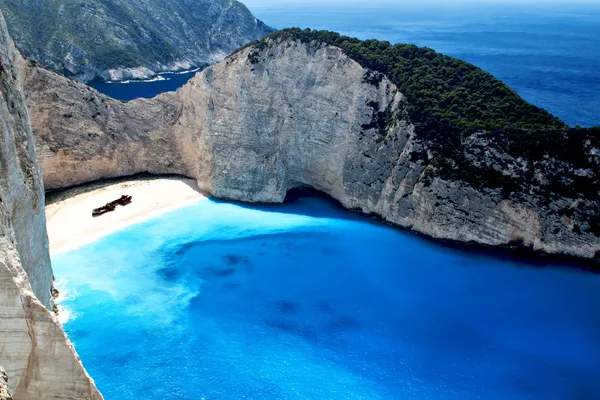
(260, 3)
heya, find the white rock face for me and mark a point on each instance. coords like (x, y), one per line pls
(38, 358)
(289, 115)
(293, 120)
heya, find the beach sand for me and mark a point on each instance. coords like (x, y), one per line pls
(69, 214)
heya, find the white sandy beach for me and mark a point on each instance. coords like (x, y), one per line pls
(70, 222)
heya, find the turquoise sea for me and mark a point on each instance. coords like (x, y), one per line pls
(307, 301)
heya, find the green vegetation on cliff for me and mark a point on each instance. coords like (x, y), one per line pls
(474, 128)
(442, 90)
(449, 100)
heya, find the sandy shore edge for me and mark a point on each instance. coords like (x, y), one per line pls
(71, 225)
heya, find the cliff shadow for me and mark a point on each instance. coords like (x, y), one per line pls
(56, 195)
(306, 201)
(310, 202)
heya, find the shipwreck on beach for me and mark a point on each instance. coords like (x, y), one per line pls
(108, 207)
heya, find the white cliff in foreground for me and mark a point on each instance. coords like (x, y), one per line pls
(39, 360)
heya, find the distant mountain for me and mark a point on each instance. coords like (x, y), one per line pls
(123, 39)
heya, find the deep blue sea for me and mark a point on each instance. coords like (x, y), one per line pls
(129, 90)
(548, 53)
(306, 301)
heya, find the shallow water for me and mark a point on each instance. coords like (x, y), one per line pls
(305, 301)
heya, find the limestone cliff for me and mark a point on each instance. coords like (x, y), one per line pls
(38, 358)
(284, 114)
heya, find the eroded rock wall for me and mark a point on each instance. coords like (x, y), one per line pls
(4, 391)
(84, 135)
(285, 115)
(297, 118)
(34, 350)
(293, 114)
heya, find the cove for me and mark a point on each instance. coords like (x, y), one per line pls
(547, 52)
(135, 89)
(306, 301)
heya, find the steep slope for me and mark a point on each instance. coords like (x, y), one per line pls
(287, 112)
(38, 358)
(118, 39)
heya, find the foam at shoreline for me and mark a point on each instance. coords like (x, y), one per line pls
(305, 300)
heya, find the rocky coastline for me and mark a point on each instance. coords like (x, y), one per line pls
(145, 74)
(273, 118)
(122, 42)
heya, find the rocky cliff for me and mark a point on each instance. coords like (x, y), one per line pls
(286, 113)
(277, 115)
(38, 358)
(4, 392)
(125, 39)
